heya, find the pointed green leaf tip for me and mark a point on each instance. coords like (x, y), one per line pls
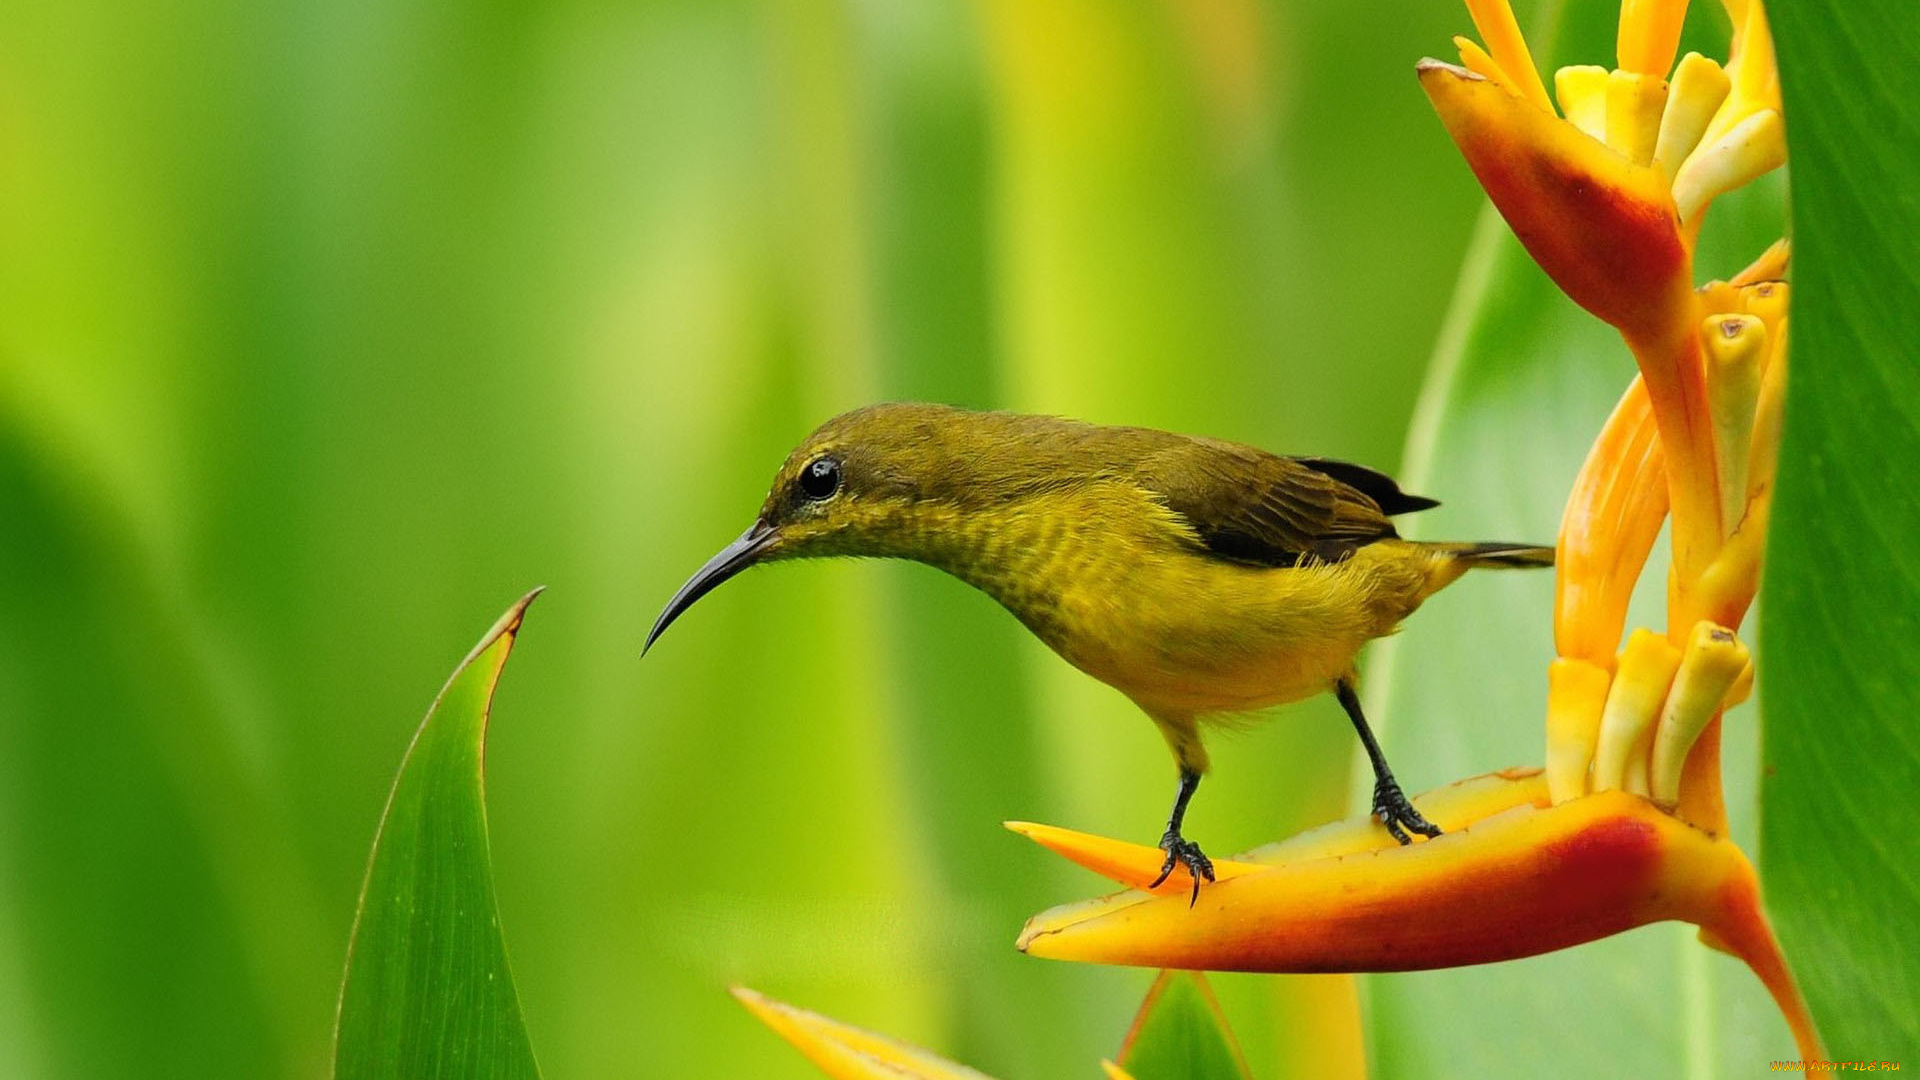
(427, 992)
(1181, 1034)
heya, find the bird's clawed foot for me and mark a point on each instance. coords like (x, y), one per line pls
(1184, 852)
(1392, 807)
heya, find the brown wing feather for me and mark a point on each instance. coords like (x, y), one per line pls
(1252, 506)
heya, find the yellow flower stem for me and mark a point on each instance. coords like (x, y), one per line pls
(1713, 660)
(1674, 371)
(1724, 588)
(1673, 365)
(1723, 596)
(1639, 687)
(1736, 349)
(1729, 584)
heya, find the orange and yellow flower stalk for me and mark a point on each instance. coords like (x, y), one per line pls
(1607, 194)
(1626, 825)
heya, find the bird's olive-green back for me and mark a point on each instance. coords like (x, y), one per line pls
(1237, 502)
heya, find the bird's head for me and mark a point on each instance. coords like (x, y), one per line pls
(867, 482)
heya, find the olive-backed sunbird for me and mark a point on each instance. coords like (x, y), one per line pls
(1203, 579)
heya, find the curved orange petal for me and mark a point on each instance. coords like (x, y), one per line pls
(1613, 516)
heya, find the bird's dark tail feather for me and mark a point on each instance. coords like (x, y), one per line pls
(1498, 554)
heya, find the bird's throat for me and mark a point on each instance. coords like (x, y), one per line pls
(1019, 557)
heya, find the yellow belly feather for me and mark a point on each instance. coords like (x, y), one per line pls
(1116, 584)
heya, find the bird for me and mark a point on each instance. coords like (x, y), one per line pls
(1204, 579)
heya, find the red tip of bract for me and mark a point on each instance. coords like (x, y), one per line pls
(1603, 228)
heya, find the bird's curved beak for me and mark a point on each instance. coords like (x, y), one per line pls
(732, 559)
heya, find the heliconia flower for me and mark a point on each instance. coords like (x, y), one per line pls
(1522, 879)
(1626, 825)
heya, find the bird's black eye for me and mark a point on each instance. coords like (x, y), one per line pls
(820, 479)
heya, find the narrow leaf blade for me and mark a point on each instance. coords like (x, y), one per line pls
(1840, 650)
(427, 991)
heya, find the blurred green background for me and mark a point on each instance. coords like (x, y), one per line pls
(328, 329)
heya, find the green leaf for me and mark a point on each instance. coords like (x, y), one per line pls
(1181, 1034)
(427, 990)
(151, 907)
(1521, 382)
(1841, 649)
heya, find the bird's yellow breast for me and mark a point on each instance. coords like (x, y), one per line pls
(1119, 586)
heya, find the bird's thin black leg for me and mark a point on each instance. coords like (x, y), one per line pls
(1179, 849)
(1390, 804)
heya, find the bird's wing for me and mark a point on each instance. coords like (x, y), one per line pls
(1251, 506)
(1377, 486)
